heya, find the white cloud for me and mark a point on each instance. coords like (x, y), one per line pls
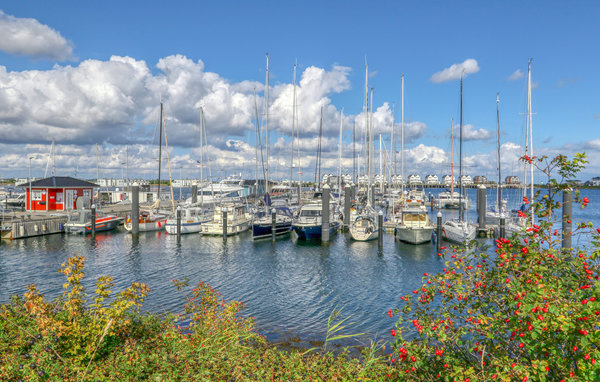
(471, 133)
(517, 74)
(455, 71)
(594, 144)
(28, 37)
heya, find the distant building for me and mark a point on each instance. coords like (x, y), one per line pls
(397, 180)
(414, 179)
(447, 180)
(595, 181)
(512, 179)
(480, 179)
(466, 180)
(432, 180)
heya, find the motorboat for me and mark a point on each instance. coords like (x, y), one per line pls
(414, 226)
(80, 221)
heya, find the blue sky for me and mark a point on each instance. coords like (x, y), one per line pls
(90, 73)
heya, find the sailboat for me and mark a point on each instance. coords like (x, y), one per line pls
(458, 230)
(263, 224)
(364, 225)
(412, 222)
(151, 220)
(193, 215)
(451, 199)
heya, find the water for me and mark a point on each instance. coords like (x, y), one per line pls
(290, 287)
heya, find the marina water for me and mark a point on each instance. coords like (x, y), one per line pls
(290, 287)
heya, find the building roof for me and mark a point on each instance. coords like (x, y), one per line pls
(59, 181)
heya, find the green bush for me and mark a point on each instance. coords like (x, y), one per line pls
(528, 311)
(71, 339)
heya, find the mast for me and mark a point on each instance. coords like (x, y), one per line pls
(370, 124)
(393, 141)
(461, 212)
(159, 151)
(354, 151)
(402, 137)
(499, 188)
(318, 162)
(267, 188)
(201, 155)
(530, 132)
(452, 159)
(168, 167)
(293, 127)
(340, 154)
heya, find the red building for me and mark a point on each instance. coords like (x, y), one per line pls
(57, 193)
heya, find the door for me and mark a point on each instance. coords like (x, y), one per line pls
(69, 199)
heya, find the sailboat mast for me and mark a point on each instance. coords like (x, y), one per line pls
(267, 188)
(354, 151)
(159, 150)
(293, 126)
(201, 155)
(402, 137)
(499, 186)
(530, 132)
(461, 212)
(370, 124)
(452, 158)
(340, 153)
(393, 141)
(318, 162)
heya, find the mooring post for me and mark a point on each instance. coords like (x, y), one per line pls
(178, 222)
(481, 207)
(438, 239)
(273, 224)
(135, 209)
(347, 205)
(325, 214)
(567, 216)
(502, 232)
(224, 213)
(380, 227)
(194, 193)
(93, 217)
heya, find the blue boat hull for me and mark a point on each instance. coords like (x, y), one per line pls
(308, 232)
(263, 231)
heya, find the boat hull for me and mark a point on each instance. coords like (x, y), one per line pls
(458, 232)
(265, 230)
(311, 231)
(101, 225)
(216, 228)
(414, 235)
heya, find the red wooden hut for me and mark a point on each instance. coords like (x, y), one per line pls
(57, 193)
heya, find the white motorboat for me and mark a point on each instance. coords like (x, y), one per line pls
(414, 226)
(192, 218)
(238, 220)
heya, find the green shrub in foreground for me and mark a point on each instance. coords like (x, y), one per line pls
(72, 339)
(530, 311)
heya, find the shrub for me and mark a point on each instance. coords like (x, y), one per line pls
(529, 310)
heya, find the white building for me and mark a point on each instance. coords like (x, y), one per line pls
(432, 180)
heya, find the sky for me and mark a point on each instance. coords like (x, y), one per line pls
(92, 76)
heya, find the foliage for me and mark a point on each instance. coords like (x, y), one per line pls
(109, 338)
(530, 310)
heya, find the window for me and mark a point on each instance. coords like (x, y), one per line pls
(59, 197)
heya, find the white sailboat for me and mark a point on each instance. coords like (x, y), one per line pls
(364, 225)
(451, 199)
(151, 220)
(193, 215)
(458, 230)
